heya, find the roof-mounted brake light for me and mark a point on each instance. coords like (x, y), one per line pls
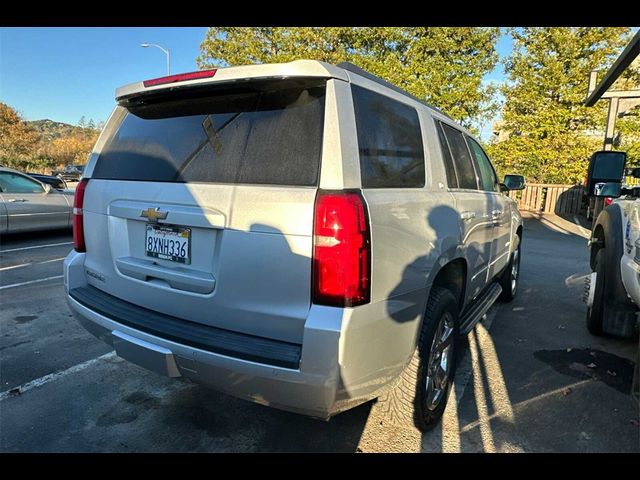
(180, 77)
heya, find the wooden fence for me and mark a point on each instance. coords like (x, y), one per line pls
(550, 198)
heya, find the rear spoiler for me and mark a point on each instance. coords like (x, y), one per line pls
(299, 68)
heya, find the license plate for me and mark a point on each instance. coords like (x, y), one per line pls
(169, 243)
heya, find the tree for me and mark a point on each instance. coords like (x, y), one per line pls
(71, 149)
(442, 65)
(551, 133)
(18, 140)
(628, 123)
(24, 148)
(628, 130)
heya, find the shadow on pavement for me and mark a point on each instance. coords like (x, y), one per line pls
(538, 381)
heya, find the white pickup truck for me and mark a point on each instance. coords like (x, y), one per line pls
(612, 291)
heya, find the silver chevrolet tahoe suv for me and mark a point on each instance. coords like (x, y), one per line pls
(302, 235)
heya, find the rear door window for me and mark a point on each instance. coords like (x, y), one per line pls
(461, 158)
(389, 141)
(488, 177)
(260, 134)
(452, 177)
(14, 183)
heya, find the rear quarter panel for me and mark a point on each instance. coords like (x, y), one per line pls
(413, 232)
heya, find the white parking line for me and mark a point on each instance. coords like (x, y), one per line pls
(4, 287)
(3, 269)
(38, 382)
(35, 246)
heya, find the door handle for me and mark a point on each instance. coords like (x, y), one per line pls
(13, 200)
(495, 217)
(467, 215)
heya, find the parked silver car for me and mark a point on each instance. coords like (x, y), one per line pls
(302, 235)
(26, 204)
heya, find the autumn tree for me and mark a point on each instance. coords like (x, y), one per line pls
(18, 140)
(24, 148)
(72, 149)
(551, 133)
(442, 65)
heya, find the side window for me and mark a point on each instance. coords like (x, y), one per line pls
(487, 173)
(389, 141)
(461, 158)
(452, 177)
(14, 183)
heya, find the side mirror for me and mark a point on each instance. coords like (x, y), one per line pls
(47, 188)
(605, 167)
(608, 189)
(513, 182)
(634, 172)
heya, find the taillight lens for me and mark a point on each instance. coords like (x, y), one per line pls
(78, 227)
(180, 77)
(341, 250)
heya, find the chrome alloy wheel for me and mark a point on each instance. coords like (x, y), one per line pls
(515, 269)
(440, 359)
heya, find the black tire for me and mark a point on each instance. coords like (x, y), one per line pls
(409, 402)
(595, 313)
(510, 276)
(617, 315)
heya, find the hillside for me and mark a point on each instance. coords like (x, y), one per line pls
(50, 130)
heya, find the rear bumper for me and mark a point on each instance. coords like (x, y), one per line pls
(202, 337)
(313, 388)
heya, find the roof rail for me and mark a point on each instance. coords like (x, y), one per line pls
(363, 73)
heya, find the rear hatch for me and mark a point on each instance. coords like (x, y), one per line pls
(200, 204)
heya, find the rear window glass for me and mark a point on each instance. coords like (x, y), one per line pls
(461, 158)
(452, 177)
(389, 140)
(261, 134)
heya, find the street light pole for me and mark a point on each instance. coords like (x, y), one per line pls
(166, 52)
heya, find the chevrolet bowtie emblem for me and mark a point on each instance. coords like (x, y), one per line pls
(154, 214)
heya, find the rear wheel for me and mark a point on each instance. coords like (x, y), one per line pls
(611, 311)
(509, 278)
(420, 397)
(595, 310)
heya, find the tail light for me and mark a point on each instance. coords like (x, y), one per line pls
(180, 77)
(341, 250)
(78, 226)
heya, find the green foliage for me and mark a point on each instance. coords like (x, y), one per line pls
(443, 65)
(551, 132)
(628, 130)
(628, 124)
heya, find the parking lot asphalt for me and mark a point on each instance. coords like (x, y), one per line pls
(531, 379)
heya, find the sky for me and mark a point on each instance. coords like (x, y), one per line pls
(66, 73)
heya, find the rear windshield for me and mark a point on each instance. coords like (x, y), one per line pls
(267, 133)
